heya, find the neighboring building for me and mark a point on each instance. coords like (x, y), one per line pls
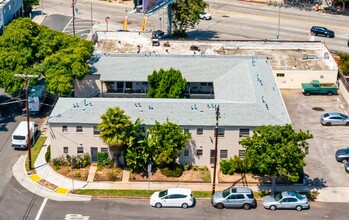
(292, 63)
(9, 9)
(243, 87)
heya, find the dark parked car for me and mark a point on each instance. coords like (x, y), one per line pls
(159, 34)
(322, 31)
(348, 43)
(342, 155)
(346, 167)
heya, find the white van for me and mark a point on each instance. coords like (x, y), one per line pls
(20, 135)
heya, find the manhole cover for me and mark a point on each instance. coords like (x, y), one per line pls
(318, 109)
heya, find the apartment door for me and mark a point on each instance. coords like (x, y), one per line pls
(94, 151)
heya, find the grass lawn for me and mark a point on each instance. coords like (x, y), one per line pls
(144, 193)
(130, 193)
(35, 150)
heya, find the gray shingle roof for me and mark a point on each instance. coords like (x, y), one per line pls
(244, 88)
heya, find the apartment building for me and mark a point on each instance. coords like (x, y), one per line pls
(244, 88)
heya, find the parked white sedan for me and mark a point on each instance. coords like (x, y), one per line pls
(174, 197)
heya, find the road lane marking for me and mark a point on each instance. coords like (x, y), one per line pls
(41, 209)
(342, 106)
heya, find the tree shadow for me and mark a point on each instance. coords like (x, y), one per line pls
(308, 185)
(202, 35)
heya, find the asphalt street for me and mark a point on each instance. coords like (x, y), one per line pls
(255, 21)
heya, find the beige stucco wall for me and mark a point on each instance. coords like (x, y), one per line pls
(86, 139)
(73, 140)
(206, 142)
(90, 86)
(294, 78)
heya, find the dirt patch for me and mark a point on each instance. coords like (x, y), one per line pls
(248, 178)
(78, 174)
(47, 184)
(31, 172)
(108, 174)
(187, 176)
(238, 178)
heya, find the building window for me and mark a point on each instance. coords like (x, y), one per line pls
(199, 131)
(242, 153)
(80, 150)
(244, 132)
(280, 75)
(64, 129)
(96, 131)
(104, 149)
(220, 132)
(223, 154)
(186, 130)
(65, 150)
(186, 152)
(79, 129)
(199, 152)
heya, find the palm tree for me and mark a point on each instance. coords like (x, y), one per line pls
(115, 130)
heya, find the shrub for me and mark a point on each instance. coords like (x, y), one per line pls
(103, 160)
(48, 154)
(235, 164)
(81, 161)
(60, 161)
(112, 175)
(186, 166)
(57, 167)
(78, 175)
(172, 171)
(227, 166)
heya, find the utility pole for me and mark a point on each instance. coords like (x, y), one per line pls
(26, 77)
(215, 152)
(73, 7)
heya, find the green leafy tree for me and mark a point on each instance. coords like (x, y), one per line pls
(166, 84)
(167, 142)
(28, 6)
(344, 63)
(115, 129)
(28, 48)
(138, 153)
(186, 15)
(277, 151)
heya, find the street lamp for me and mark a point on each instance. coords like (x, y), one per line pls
(215, 152)
(277, 36)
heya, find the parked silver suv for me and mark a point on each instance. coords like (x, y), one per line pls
(234, 198)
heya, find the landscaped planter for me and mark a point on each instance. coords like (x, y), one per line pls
(67, 171)
(108, 174)
(188, 176)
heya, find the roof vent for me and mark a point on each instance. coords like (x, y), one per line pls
(326, 56)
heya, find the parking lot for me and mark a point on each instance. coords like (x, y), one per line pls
(322, 168)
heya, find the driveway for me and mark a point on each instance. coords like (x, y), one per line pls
(322, 167)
